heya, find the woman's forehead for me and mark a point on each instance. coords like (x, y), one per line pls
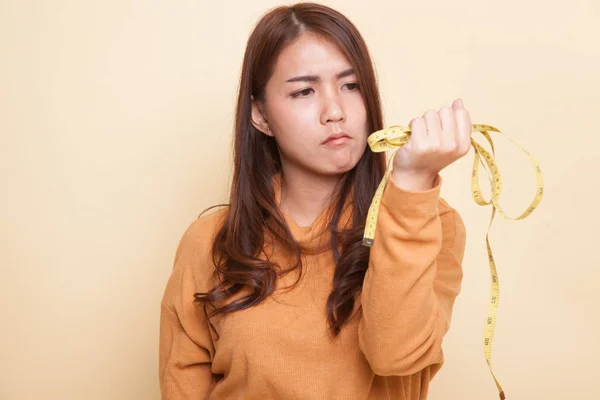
(310, 55)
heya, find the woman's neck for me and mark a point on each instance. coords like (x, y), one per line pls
(304, 195)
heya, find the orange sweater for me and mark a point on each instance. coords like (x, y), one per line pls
(282, 349)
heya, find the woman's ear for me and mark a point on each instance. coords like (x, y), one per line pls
(259, 120)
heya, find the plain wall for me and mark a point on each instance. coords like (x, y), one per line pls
(116, 121)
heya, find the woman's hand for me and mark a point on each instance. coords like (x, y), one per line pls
(437, 139)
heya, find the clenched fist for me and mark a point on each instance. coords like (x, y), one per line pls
(437, 139)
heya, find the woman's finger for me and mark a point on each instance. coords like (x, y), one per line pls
(449, 129)
(465, 129)
(434, 129)
(418, 135)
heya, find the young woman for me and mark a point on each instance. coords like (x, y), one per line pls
(275, 296)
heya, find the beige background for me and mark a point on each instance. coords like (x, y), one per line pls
(116, 120)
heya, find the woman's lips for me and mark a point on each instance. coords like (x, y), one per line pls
(337, 139)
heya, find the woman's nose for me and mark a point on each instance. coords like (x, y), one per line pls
(333, 110)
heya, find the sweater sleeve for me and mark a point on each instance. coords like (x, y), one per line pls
(413, 278)
(185, 344)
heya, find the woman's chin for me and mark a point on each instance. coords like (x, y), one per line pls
(340, 167)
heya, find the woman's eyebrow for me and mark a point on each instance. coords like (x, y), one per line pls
(316, 78)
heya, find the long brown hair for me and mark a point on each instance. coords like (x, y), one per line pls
(238, 244)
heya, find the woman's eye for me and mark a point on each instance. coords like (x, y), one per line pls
(302, 93)
(306, 92)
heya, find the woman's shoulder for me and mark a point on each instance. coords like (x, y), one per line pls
(195, 244)
(206, 225)
(193, 266)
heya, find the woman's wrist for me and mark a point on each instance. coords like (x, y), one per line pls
(414, 181)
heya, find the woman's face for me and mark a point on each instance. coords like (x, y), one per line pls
(312, 95)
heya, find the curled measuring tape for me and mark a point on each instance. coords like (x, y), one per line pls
(393, 138)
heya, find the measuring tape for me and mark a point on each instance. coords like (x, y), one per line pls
(393, 138)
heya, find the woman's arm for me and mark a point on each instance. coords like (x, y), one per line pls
(185, 345)
(414, 276)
